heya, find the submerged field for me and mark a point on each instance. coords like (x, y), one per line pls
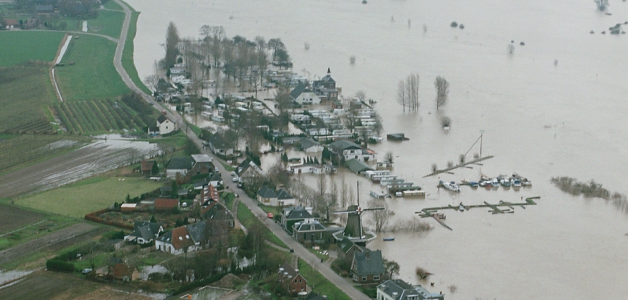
(80, 198)
(92, 76)
(22, 46)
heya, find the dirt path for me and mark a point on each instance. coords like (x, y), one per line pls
(51, 242)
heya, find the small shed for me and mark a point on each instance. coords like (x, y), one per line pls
(128, 207)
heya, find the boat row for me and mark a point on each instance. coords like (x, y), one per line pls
(505, 181)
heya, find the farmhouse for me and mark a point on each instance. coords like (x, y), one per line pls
(303, 95)
(349, 150)
(201, 164)
(400, 290)
(248, 171)
(326, 87)
(165, 125)
(291, 280)
(347, 247)
(292, 215)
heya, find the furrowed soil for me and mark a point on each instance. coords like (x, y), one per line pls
(12, 218)
(51, 242)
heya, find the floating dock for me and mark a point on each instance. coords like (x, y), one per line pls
(431, 212)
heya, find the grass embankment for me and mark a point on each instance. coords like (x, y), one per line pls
(93, 75)
(22, 46)
(246, 217)
(80, 198)
(108, 23)
(127, 54)
(25, 93)
(319, 283)
(112, 5)
(19, 151)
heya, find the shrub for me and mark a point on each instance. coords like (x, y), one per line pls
(59, 265)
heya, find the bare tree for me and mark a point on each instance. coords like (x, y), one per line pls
(380, 217)
(388, 157)
(344, 190)
(379, 125)
(408, 92)
(333, 199)
(601, 4)
(442, 90)
(275, 45)
(360, 95)
(172, 40)
(152, 81)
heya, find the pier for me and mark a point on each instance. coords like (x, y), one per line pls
(431, 212)
(475, 161)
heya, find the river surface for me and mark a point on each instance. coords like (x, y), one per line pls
(554, 107)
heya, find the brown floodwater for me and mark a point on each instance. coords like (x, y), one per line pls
(554, 107)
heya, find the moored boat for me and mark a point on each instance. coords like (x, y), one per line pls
(388, 239)
(452, 186)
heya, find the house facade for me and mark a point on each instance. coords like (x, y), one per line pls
(144, 232)
(398, 289)
(178, 165)
(181, 240)
(201, 164)
(270, 197)
(291, 280)
(248, 171)
(293, 215)
(349, 150)
(165, 125)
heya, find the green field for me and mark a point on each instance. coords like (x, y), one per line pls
(246, 217)
(18, 151)
(108, 23)
(76, 200)
(321, 284)
(93, 75)
(127, 55)
(112, 5)
(21, 46)
(25, 93)
(98, 116)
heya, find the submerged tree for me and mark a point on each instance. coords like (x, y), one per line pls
(408, 92)
(442, 90)
(601, 4)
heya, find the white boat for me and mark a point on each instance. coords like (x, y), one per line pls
(452, 186)
(516, 182)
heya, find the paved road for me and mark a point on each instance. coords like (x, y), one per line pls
(306, 255)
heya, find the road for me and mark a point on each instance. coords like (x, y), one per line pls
(299, 250)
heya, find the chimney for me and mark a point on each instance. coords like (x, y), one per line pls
(296, 270)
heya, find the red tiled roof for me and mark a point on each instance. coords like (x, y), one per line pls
(165, 203)
(181, 238)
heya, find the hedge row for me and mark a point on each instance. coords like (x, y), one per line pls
(59, 265)
(94, 217)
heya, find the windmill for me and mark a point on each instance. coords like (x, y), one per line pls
(354, 230)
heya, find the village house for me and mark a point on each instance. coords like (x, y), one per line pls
(367, 267)
(164, 126)
(218, 145)
(307, 168)
(178, 165)
(144, 232)
(148, 168)
(125, 272)
(346, 248)
(292, 215)
(357, 166)
(308, 145)
(248, 171)
(201, 164)
(398, 289)
(270, 197)
(303, 95)
(182, 239)
(10, 24)
(347, 150)
(326, 87)
(291, 280)
(311, 231)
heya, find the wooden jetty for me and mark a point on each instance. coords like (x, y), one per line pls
(431, 212)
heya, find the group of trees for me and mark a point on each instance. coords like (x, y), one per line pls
(238, 58)
(408, 92)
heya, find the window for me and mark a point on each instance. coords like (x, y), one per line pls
(363, 278)
(376, 277)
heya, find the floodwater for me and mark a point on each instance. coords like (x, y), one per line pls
(554, 107)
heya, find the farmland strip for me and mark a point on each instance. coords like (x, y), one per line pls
(92, 105)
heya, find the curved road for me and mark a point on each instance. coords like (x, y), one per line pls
(343, 284)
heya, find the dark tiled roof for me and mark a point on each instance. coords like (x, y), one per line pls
(196, 231)
(217, 141)
(341, 145)
(266, 192)
(357, 166)
(298, 213)
(297, 91)
(161, 119)
(368, 263)
(308, 143)
(178, 163)
(283, 195)
(309, 226)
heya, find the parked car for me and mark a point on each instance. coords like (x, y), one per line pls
(86, 271)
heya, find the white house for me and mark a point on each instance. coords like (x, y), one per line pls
(398, 289)
(165, 125)
(144, 232)
(349, 150)
(308, 145)
(303, 95)
(280, 197)
(182, 239)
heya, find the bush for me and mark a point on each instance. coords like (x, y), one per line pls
(59, 265)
